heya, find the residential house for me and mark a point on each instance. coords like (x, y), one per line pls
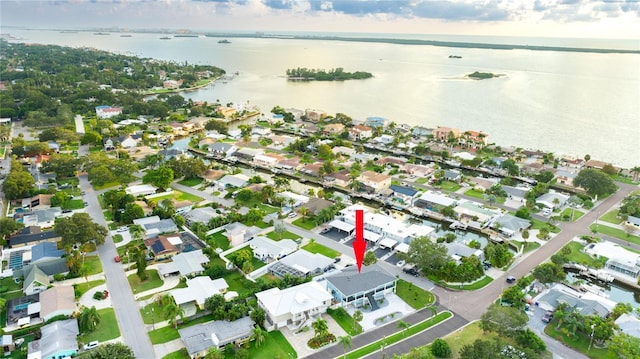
(316, 205)
(301, 264)
(333, 129)
(288, 164)
(312, 169)
(198, 290)
(383, 140)
(471, 211)
(374, 182)
(162, 247)
(565, 178)
(313, 115)
(35, 280)
(278, 141)
(376, 122)
(434, 201)
(295, 306)
(141, 190)
(57, 340)
(629, 324)
(177, 129)
(457, 251)
(57, 300)
(633, 221)
(227, 112)
(584, 303)
(293, 200)
(390, 160)
(552, 200)
(198, 123)
(199, 338)
(453, 176)
(444, 133)
(515, 193)
(341, 178)
(43, 218)
(32, 235)
(473, 139)
(107, 112)
(172, 84)
(350, 288)
(598, 165)
(39, 201)
(360, 132)
(620, 262)
(417, 170)
(129, 141)
(482, 184)
(509, 224)
(403, 194)
(181, 207)
(212, 175)
(184, 264)
(239, 233)
(342, 150)
(247, 153)
(266, 160)
(154, 226)
(419, 131)
(231, 181)
(23, 311)
(200, 215)
(45, 251)
(268, 250)
(260, 131)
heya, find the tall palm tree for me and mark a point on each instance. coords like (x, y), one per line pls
(357, 317)
(433, 309)
(346, 342)
(172, 311)
(214, 353)
(304, 211)
(258, 336)
(402, 325)
(88, 319)
(320, 327)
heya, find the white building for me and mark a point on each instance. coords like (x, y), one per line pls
(141, 190)
(106, 112)
(198, 290)
(268, 250)
(620, 261)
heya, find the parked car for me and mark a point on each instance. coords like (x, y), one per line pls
(292, 214)
(511, 279)
(411, 269)
(91, 345)
(122, 229)
(116, 259)
(400, 263)
(547, 316)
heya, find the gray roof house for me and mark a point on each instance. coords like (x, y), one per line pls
(59, 340)
(222, 149)
(200, 337)
(584, 303)
(453, 176)
(515, 192)
(153, 226)
(184, 264)
(200, 215)
(301, 264)
(237, 181)
(509, 224)
(45, 250)
(367, 287)
(35, 281)
(458, 251)
(547, 200)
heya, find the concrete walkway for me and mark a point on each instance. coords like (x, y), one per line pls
(87, 298)
(169, 283)
(299, 341)
(169, 347)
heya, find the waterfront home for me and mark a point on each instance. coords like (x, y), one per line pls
(378, 226)
(184, 264)
(288, 164)
(482, 184)
(301, 264)
(212, 175)
(200, 215)
(248, 153)
(473, 139)
(268, 250)
(444, 133)
(198, 123)
(177, 129)
(471, 211)
(314, 115)
(552, 200)
(390, 160)
(585, 303)
(57, 300)
(341, 178)
(350, 288)
(515, 193)
(619, 260)
(57, 340)
(434, 201)
(360, 132)
(107, 112)
(265, 160)
(172, 84)
(342, 150)
(565, 178)
(374, 182)
(32, 235)
(316, 205)
(198, 339)
(197, 291)
(457, 251)
(333, 129)
(629, 323)
(222, 149)
(453, 176)
(279, 141)
(233, 181)
(509, 224)
(293, 307)
(417, 170)
(293, 200)
(403, 194)
(312, 169)
(376, 122)
(383, 140)
(598, 165)
(260, 131)
(419, 131)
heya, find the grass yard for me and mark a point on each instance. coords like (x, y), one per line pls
(538, 224)
(106, 330)
(314, 247)
(415, 296)
(267, 208)
(117, 238)
(578, 256)
(93, 264)
(614, 232)
(163, 335)
(84, 287)
(218, 240)
(611, 217)
(529, 246)
(179, 196)
(260, 224)
(567, 213)
(255, 262)
(179, 354)
(106, 185)
(9, 285)
(480, 283)
(267, 278)
(238, 283)
(307, 224)
(421, 180)
(578, 342)
(138, 286)
(152, 313)
(73, 204)
(191, 182)
(345, 321)
(286, 235)
(475, 194)
(275, 346)
(417, 328)
(449, 186)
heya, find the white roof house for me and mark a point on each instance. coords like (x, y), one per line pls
(620, 261)
(198, 290)
(383, 225)
(298, 199)
(431, 200)
(293, 306)
(629, 324)
(141, 190)
(185, 263)
(266, 249)
(237, 180)
(547, 200)
(306, 262)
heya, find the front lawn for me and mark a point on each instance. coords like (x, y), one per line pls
(449, 186)
(255, 262)
(345, 321)
(580, 257)
(83, 287)
(480, 283)
(178, 354)
(421, 180)
(93, 264)
(218, 240)
(615, 232)
(538, 224)
(152, 313)
(106, 185)
(286, 235)
(275, 346)
(567, 214)
(179, 196)
(163, 335)
(475, 194)
(307, 224)
(611, 217)
(413, 295)
(578, 343)
(191, 182)
(138, 286)
(74, 204)
(267, 208)
(238, 283)
(314, 247)
(106, 330)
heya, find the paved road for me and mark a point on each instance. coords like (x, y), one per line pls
(132, 328)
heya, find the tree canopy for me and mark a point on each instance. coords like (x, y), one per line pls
(79, 228)
(595, 182)
(161, 177)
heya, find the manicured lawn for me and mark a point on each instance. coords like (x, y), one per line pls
(576, 214)
(106, 185)
(108, 215)
(314, 247)
(191, 182)
(578, 256)
(476, 285)
(286, 235)
(74, 204)
(537, 224)
(93, 263)
(577, 342)
(179, 354)
(449, 186)
(260, 224)
(117, 238)
(163, 335)
(611, 217)
(83, 287)
(529, 246)
(219, 241)
(275, 346)
(267, 208)
(623, 179)
(308, 224)
(238, 283)
(106, 330)
(417, 328)
(345, 321)
(614, 232)
(475, 193)
(152, 312)
(256, 263)
(180, 196)
(153, 281)
(422, 180)
(9, 285)
(413, 295)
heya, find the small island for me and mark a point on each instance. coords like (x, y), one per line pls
(337, 74)
(224, 41)
(455, 56)
(483, 75)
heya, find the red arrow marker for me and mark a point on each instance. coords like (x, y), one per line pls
(359, 245)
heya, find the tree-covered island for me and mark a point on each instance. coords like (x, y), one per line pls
(337, 74)
(476, 75)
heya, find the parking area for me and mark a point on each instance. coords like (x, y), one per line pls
(393, 259)
(335, 234)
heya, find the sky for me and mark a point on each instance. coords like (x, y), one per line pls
(614, 19)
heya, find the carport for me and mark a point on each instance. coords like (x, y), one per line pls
(388, 243)
(403, 248)
(342, 226)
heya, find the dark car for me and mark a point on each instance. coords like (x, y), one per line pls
(547, 316)
(511, 279)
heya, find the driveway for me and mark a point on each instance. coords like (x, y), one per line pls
(130, 322)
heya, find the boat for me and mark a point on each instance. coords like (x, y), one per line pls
(165, 38)
(101, 33)
(455, 57)
(125, 35)
(224, 41)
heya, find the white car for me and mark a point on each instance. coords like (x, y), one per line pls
(122, 229)
(400, 264)
(91, 345)
(292, 214)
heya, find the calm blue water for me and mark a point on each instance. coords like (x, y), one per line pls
(616, 293)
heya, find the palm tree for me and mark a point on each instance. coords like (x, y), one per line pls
(137, 232)
(346, 342)
(214, 353)
(561, 313)
(88, 319)
(320, 327)
(636, 172)
(172, 311)
(433, 309)
(525, 236)
(259, 336)
(304, 211)
(357, 317)
(402, 325)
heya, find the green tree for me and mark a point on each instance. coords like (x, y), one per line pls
(88, 319)
(172, 311)
(369, 258)
(624, 346)
(357, 317)
(324, 152)
(79, 228)
(549, 273)
(440, 348)
(131, 211)
(595, 182)
(109, 351)
(62, 164)
(426, 254)
(619, 309)
(18, 183)
(91, 138)
(515, 296)
(9, 226)
(60, 199)
(345, 341)
(402, 325)
(320, 327)
(161, 177)
(101, 175)
(259, 336)
(503, 320)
